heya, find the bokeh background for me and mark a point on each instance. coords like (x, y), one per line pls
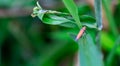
(26, 41)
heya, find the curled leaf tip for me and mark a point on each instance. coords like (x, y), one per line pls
(36, 10)
(39, 5)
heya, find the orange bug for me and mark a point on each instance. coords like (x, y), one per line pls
(80, 33)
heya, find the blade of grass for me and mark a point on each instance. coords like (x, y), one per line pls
(89, 53)
(72, 8)
(110, 18)
(112, 53)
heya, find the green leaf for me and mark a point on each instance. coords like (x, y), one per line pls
(113, 51)
(89, 54)
(62, 19)
(110, 18)
(54, 17)
(87, 18)
(88, 21)
(57, 20)
(108, 42)
(73, 11)
(90, 25)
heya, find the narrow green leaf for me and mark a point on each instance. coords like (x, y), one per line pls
(113, 51)
(57, 20)
(54, 19)
(89, 54)
(110, 18)
(107, 42)
(73, 11)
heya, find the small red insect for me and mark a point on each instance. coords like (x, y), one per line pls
(80, 33)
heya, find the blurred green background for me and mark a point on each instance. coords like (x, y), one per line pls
(26, 41)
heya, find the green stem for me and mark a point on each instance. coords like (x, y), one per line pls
(110, 18)
(98, 13)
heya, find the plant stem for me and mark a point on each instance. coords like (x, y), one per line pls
(112, 53)
(98, 13)
(110, 18)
